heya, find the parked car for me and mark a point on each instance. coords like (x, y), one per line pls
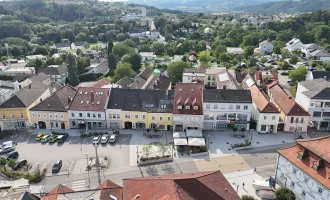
(57, 166)
(311, 124)
(40, 136)
(52, 139)
(6, 149)
(96, 139)
(285, 73)
(113, 138)
(104, 139)
(45, 138)
(116, 132)
(13, 155)
(19, 164)
(291, 83)
(62, 138)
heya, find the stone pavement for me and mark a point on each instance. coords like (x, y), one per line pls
(236, 180)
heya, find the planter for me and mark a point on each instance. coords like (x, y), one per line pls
(242, 148)
(155, 161)
(199, 154)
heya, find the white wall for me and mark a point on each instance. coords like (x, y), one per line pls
(325, 58)
(295, 47)
(288, 172)
(110, 117)
(189, 120)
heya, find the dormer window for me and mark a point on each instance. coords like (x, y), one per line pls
(300, 156)
(187, 107)
(180, 107)
(195, 107)
(315, 166)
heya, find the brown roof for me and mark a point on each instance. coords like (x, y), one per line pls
(90, 99)
(102, 82)
(60, 189)
(288, 106)
(188, 93)
(317, 151)
(161, 83)
(261, 101)
(225, 80)
(108, 184)
(200, 185)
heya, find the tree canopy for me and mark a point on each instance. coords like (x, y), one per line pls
(298, 74)
(123, 70)
(175, 70)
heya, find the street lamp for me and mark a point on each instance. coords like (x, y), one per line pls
(97, 164)
(89, 180)
(251, 131)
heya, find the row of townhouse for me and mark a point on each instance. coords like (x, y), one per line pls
(190, 106)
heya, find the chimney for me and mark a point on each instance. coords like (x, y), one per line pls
(92, 96)
(69, 100)
(30, 86)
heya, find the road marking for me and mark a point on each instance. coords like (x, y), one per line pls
(78, 185)
(70, 166)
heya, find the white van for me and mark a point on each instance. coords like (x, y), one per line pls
(7, 147)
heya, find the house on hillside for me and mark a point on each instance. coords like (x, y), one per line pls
(293, 45)
(78, 45)
(147, 56)
(235, 50)
(62, 46)
(307, 49)
(266, 47)
(56, 73)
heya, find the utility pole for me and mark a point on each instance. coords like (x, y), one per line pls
(97, 164)
(89, 180)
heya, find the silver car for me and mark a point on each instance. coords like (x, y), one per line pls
(113, 138)
(104, 139)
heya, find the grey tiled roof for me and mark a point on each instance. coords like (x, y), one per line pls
(318, 94)
(321, 74)
(54, 70)
(141, 100)
(39, 77)
(315, 84)
(227, 96)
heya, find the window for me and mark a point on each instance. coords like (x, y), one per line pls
(215, 106)
(160, 118)
(320, 190)
(294, 170)
(179, 107)
(52, 124)
(302, 120)
(80, 114)
(303, 193)
(136, 116)
(291, 120)
(195, 107)
(114, 116)
(32, 113)
(94, 124)
(163, 106)
(238, 107)
(242, 117)
(292, 184)
(263, 127)
(245, 107)
(110, 116)
(100, 124)
(187, 107)
(318, 104)
(127, 116)
(118, 116)
(94, 115)
(306, 180)
(282, 176)
(153, 117)
(230, 107)
(326, 104)
(317, 114)
(207, 106)
(232, 116)
(50, 115)
(326, 114)
(73, 123)
(4, 116)
(169, 118)
(265, 117)
(312, 104)
(56, 124)
(143, 116)
(88, 115)
(38, 115)
(99, 115)
(72, 114)
(55, 116)
(21, 115)
(273, 117)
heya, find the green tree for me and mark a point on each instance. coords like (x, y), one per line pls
(163, 148)
(293, 59)
(285, 66)
(110, 46)
(204, 56)
(129, 43)
(248, 51)
(326, 65)
(251, 62)
(123, 70)
(158, 48)
(298, 74)
(144, 48)
(219, 50)
(73, 78)
(248, 197)
(40, 50)
(284, 194)
(285, 54)
(225, 57)
(263, 59)
(112, 62)
(121, 37)
(136, 61)
(82, 64)
(204, 65)
(3, 163)
(81, 37)
(121, 49)
(11, 163)
(146, 150)
(277, 49)
(175, 70)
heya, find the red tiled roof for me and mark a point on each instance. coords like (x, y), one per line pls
(317, 151)
(200, 185)
(288, 106)
(108, 184)
(258, 76)
(185, 91)
(90, 99)
(102, 82)
(60, 189)
(275, 76)
(261, 101)
(117, 192)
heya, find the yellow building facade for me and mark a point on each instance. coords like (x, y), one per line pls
(143, 120)
(49, 120)
(14, 118)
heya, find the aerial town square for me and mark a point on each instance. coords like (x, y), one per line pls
(113, 100)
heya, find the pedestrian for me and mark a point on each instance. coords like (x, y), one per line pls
(243, 184)
(254, 169)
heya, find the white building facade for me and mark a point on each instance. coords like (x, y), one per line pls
(87, 119)
(294, 45)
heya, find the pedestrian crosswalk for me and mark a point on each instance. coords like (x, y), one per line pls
(78, 185)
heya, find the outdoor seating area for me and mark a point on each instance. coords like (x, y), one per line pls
(191, 140)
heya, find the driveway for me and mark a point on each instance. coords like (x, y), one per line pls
(283, 81)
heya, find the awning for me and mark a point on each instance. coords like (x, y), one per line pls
(194, 133)
(179, 135)
(180, 141)
(196, 142)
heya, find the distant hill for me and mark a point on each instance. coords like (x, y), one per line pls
(288, 7)
(200, 5)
